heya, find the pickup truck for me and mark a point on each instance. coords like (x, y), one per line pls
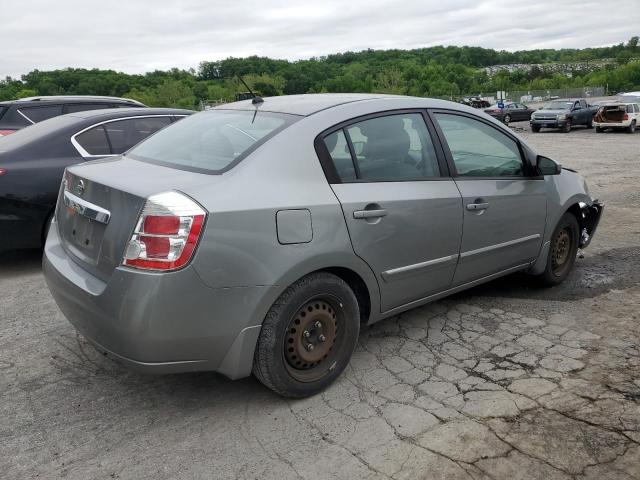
(563, 114)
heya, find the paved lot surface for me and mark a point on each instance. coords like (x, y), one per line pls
(504, 381)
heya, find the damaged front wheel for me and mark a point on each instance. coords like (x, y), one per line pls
(562, 251)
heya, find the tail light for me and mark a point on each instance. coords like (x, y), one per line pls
(626, 116)
(6, 132)
(3, 171)
(166, 234)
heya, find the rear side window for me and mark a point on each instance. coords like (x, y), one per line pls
(479, 150)
(124, 134)
(629, 109)
(83, 107)
(636, 108)
(94, 141)
(212, 141)
(385, 149)
(38, 114)
(2, 110)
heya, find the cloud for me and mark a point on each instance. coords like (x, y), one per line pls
(143, 35)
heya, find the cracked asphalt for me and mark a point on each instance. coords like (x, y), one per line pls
(505, 381)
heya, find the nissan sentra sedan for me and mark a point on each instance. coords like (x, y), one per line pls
(259, 236)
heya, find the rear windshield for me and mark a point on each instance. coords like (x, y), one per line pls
(212, 141)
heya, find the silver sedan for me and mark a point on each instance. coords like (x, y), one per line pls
(259, 236)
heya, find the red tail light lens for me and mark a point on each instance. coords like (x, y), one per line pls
(6, 132)
(166, 234)
(3, 171)
(626, 116)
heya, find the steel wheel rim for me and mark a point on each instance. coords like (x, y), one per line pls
(313, 339)
(561, 252)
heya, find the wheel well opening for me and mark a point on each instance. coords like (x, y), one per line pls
(356, 283)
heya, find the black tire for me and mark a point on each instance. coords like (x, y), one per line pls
(535, 128)
(506, 119)
(566, 128)
(632, 128)
(292, 324)
(562, 251)
(599, 129)
(590, 123)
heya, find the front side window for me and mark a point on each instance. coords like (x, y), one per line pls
(124, 134)
(94, 141)
(386, 149)
(38, 114)
(211, 141)
(479, 150)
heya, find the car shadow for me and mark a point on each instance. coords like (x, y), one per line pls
(20, 262)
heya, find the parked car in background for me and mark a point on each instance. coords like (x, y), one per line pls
(33, 160)
(563, 114)
(17, 114)
(475, 102)
(259, 235)
(629, 97)
(617, 115)
(512, 112)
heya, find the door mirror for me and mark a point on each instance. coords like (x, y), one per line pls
(546, 166)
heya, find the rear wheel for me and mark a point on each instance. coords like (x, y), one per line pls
(590, 123)
(562, 251)
(566, 128)
(535, 128)
(308, 336)
(632, 128)
(599, 129)
(507, 119)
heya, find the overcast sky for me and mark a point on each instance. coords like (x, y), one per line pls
(141, 35)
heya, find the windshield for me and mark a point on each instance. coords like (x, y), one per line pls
(212, 141)
(629, 98)
(558, 105)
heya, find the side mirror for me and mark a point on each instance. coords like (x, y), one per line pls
(546, 166)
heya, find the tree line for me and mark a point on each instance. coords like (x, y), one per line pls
(434, 71)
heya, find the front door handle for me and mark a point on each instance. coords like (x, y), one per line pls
(370, 213)
(477, 206)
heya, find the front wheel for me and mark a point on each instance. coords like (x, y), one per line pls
(535, 128)
(562, 251)
(507, 119)
(566, 128)
(308, 336)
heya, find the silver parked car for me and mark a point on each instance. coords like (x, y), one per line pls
(258, 236)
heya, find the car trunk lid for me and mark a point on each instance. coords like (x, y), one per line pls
(99, 204)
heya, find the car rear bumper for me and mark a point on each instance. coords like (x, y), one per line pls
(157, 323)
(624, 124)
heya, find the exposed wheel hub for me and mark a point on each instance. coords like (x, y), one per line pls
(561, 248)
(311, 335)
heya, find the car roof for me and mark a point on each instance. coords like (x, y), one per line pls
(71, 99)
(133, 111)
(305, 104)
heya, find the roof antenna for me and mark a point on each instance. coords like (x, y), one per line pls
(256, 99)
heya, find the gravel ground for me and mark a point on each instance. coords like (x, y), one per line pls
(502, 381)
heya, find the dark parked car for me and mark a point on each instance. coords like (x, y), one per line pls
(32, 162)
(512, 112)
(17, 114)
(563, 114)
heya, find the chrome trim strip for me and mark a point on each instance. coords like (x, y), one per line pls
(89, 210)
(498, 246)
(84, 154)
(395, 273)
(26, 118)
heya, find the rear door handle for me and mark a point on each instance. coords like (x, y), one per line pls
(369, 213)
(477, 206)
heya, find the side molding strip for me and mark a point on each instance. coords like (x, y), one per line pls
(498, 246)
(396, 273)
